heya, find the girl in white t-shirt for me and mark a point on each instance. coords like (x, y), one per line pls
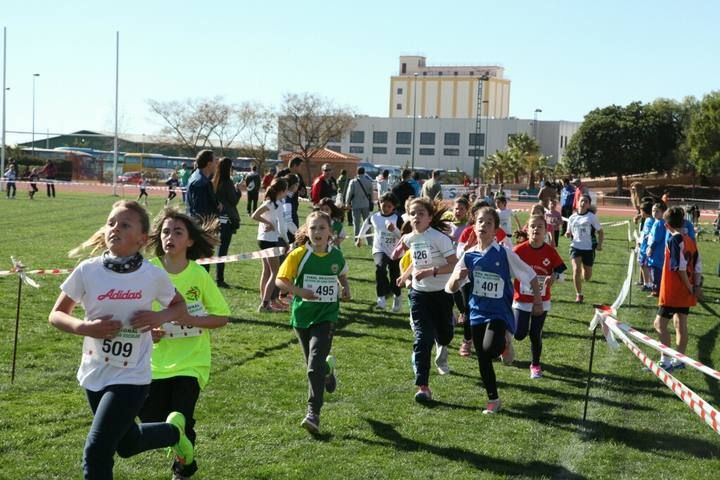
(271, 221)
(117, 289)
(433, 259)
(505, 214)
(587, 236)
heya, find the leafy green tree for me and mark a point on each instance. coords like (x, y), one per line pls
(704, 135)
(620, 141)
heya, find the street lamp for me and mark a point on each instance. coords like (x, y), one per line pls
(35, 75)
(535, 124)
(412, 161)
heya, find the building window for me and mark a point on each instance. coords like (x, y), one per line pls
(399, 91)
(398, 106)
(403, 69)
(380, 150)
(334, 148)
(455, 73)
(427, 151)
(439, 74)
(477, 139)
(357, 136)
(356, 149)
(427, 138)
(473, 152)
(403, 138)
(452, 139)
(402, 151)
(379, 137)
(424, 74)
(451, 152)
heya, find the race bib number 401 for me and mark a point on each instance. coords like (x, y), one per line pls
(488, 284)
(421, 254)
(325, 287)
(121, 351)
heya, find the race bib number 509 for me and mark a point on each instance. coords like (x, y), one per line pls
(122, 350)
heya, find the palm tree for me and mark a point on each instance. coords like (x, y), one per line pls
(526, 151)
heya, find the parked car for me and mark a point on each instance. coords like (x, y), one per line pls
(130, 177)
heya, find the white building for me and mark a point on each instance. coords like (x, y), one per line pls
(448, 91)
(447, 143)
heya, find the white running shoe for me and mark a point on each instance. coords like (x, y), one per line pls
(397, 304)
(380, 305)
(441, 359)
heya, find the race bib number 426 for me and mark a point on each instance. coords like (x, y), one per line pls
(325, 287)
(421, 254)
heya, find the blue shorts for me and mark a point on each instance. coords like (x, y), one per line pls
(587, 256)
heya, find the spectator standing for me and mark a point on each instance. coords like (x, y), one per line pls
(415, 183)
(383, 183)
(252, 185)
(201, 201)
(11, 175)
(342, 183)
(184, 176)
(50, 172)
(547, 193)
(567, 196)
(580, 190)
(432, 189)
(268, 178)
(294, 166)
(403, 190)
(359, 198)
(228, 195)
(322, 186)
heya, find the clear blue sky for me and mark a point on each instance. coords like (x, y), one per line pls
(565, 57)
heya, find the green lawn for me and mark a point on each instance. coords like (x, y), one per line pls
(249, 415)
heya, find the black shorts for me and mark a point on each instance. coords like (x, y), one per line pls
(266, 244)
(668, 312)
(587, 256)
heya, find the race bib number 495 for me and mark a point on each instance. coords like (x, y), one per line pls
(325, 287)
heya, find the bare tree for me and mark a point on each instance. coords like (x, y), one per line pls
(261, 133)
(196, 124)
(307, 122)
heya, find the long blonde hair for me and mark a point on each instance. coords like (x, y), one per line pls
(96, 242)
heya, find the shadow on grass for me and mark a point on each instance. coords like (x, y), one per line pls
(706, 345)
(260, 353)
(390, 437)
(643, 440)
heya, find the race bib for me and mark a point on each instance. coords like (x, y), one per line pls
(173, 330)
(121, 351)
(488, 284)
(421, 254)
(526, 289)
(387, 239)
(325, 287)
(582, 232)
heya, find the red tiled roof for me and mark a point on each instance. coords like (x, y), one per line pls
(322, 154)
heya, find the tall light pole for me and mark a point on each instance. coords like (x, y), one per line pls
(35, 75)
(535, 124)
(412, 161)
(4, 90)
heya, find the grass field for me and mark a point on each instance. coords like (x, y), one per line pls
(248, 416)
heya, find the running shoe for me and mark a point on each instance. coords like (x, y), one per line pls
(278, 307)
(535, 371)
(311, 423)
(493, 406)
(466, 348)
(263, 307)
(183, 449)
(579, 298)
(423, 394)
(380, 305)
(397, 304)
(441, 359)
(330, 379)
(676, 364)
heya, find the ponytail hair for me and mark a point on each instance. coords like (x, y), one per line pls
(278, 185)
(96, 241)
(435, 211)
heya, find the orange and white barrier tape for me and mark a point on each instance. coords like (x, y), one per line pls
(41, 271)
(266, 253)
(19, 269)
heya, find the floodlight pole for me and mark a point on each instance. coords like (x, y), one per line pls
(117, 83)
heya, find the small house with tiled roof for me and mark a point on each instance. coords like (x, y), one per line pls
(318, 157)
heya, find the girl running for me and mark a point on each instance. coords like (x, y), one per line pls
(181, 355)
(143, 189)
(311, 273)
(270, 216)
(386, 226)
(433, 258)
(172, 183)
(327, 205)
(547, 264)
(117, 289)
(587, 236)
(459, 218)
(490, 268)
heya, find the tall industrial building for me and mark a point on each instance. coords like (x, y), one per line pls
(447, 91)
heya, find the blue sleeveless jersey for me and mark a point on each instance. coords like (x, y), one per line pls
(487, 266)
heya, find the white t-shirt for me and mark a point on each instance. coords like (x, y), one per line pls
(505, 220)
(274, 214)
(124, 359)
(580, 226)
(287, 215)
(429, 249)
(384, 240)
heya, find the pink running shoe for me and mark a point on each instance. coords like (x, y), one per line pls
(493, 406)
(535, 371)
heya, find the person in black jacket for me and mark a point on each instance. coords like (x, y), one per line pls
(228, 196)
(403, 191)
(201, 202)
(252, 184)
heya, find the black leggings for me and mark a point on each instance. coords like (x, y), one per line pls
(464, 294)
(489, 341)
(386, 274)
(525, 322)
